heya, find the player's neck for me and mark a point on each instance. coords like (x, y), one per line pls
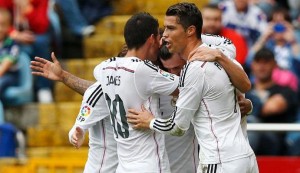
(192, 45)
(136, 53)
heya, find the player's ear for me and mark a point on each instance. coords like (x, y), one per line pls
(152, 39)
(191, 30)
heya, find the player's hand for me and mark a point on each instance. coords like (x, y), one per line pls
(77, 137)
(139, 119)
(245, 104)
(205, 54)
(47, 69)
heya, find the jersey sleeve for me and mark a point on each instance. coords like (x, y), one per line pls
(220, 42)
(154, 80)
(190, 95)
(93, 107)
(97, 71)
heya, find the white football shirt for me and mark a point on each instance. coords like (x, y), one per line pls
(207, 99)
(94, 116)
(129, 83)
(182, 151)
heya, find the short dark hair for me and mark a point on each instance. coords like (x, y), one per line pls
(139, 28)
(164, 53)
(188, 15)
(265, 54)
(283, 11)
(212, 6)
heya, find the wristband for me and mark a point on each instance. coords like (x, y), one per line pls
(151, 124)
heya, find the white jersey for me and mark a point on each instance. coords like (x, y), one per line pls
(207, 99)
(220, 42)
(94, 116)
(182, 151)
(129, 83)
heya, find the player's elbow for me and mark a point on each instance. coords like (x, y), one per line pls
(246, 86)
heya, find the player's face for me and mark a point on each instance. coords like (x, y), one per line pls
(174, 64)
(174, 35)
(212, 21)
(241, 5)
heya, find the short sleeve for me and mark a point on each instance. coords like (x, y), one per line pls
(93, 107)
(221, 43)
(154, 80)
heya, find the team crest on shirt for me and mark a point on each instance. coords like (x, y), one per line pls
(166, 74)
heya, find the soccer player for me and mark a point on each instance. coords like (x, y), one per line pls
(130, 82)
(183, 153)
(69, 79)
(207, 98)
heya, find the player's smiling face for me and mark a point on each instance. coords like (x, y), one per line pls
(174, 34)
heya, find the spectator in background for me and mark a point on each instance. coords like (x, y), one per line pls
(212, 24)
(245, 18)
(72, 14)
(279, 37)
(276, 104)
(267, 6)
(295, 14)
(32, 31)
(8, 57)
(94, 10)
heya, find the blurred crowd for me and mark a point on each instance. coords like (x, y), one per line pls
(30, 28)
(266, 34)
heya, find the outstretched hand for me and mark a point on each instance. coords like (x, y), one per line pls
(77, 137)
(139, 119)
(47, 69)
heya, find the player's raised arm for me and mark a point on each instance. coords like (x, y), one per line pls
(236, 73)
(54, 71)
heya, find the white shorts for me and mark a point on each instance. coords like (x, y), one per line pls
(244, 165)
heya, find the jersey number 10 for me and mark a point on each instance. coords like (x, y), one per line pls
(119, 129)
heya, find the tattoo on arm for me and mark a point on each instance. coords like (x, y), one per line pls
(77, 84)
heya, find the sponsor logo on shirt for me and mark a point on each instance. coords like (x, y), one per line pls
(85, 111)
(166, 74)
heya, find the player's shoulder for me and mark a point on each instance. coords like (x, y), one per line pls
(149, 64)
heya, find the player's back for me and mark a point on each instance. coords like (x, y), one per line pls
(217, 121)
(129, 83)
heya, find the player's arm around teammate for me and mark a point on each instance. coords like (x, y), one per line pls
(234, 70)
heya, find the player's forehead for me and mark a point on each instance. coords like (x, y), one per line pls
(171, 21)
